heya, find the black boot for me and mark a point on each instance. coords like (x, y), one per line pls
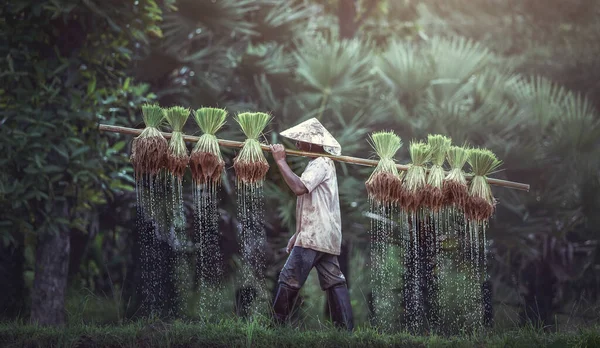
(284, 302)
(338, 298)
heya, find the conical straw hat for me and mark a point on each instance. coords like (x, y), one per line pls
(312, 131)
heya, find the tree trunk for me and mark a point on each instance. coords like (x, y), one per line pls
(51, 273)
(12, 301)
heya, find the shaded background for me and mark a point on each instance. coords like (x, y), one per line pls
(518, 77)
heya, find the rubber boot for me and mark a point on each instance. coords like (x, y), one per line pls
(284, 303)
(338, 298)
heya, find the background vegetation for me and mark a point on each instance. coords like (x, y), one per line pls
(518, 77)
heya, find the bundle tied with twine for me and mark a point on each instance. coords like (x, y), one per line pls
(456, 191)
(481, 202)
(177, 157)
(250, 164)
(433, 197)
(385, 184)
(206, 160)
(149, 149)
(415, 179)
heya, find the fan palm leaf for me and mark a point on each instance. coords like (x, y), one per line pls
(540, 98)
(406, 69)
(283, 20)
(577, 129)
(335, 74)
(455, 61)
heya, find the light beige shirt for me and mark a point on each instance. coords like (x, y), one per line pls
(318, 221)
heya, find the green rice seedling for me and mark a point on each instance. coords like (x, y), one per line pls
(416, 176)
(481, 203)
(149, 149)
(206, 161)
(433, 197)
(455, 188)
(250, 164)
(177, 157)
(385, 183)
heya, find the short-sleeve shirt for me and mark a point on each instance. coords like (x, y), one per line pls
(318, 221)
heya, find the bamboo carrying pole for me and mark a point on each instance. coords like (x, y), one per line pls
(346, 159)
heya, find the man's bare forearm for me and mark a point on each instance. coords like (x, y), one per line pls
(291, 179)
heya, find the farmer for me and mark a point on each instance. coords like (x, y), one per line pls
(318, 236)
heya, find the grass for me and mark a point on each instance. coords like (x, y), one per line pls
(239, 333)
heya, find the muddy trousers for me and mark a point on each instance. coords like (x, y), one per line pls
(293, 276)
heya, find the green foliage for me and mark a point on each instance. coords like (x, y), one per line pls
(334, 73)
(59, 79)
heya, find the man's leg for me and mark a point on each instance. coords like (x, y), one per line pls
(292, 277)
(333, 281)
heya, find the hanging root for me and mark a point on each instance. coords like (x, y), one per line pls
(148, 155)
(250, 172)
(399, 195)
(384, 187)
(455, 193)
(433, 198)
(413, 200)
(478, 209)
(206, 167)
(177, 164)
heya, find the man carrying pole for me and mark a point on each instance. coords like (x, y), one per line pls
(318, 238)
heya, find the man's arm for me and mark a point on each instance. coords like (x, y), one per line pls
(291, 179)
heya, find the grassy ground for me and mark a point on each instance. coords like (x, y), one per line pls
(258, 333)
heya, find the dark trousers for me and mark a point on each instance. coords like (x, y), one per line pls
(297, 267)
(302, 260)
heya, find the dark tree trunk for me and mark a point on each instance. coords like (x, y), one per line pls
(347, 16)
(51, 273)
(541, 290)
(12, 301)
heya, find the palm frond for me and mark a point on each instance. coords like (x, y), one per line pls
(283, 20)
(406, 69)
(223, 15)
(456, 61)
(540, 99)
(577, 129)
(335, 73)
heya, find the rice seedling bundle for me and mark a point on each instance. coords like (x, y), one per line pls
(206, 161)
(481, 203)
(415, 179)
(385, 185)
(433, 196)
(250, 164)
(455, 188)
(177, 157)
(149, 149)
